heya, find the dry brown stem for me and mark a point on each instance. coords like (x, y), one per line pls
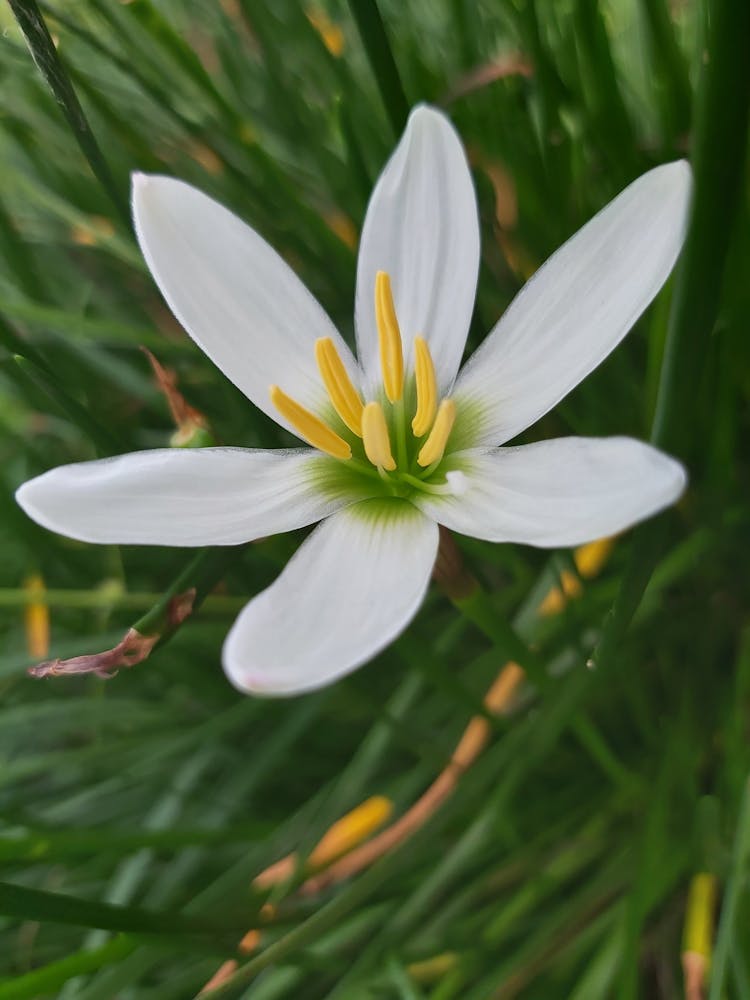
(470, 745)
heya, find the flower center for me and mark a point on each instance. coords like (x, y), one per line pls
(376, 431)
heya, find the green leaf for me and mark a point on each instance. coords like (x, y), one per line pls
(382, 62)
(53, 907)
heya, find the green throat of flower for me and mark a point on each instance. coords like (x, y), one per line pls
(396, 444)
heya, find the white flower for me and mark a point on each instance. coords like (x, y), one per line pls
(400, 442)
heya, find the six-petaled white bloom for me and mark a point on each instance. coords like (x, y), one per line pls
(400, 442)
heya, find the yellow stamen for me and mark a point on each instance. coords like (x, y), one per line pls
(424, 373)
(434, 447)
(344, 396)
(389, 335)
(351, 830)
(375, 437)
(310, 427)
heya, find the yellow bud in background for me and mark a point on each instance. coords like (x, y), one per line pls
(36, 618)
(352, 829)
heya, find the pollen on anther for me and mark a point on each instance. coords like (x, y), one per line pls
(342, 393)
(389, 337)
(308, 426)
(426, 384)
(375, 437)
(434, 447)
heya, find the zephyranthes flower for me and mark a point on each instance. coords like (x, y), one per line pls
(399, 442)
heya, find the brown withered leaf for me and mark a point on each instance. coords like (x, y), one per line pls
(187, 419)
(133, 648)
(509, 64)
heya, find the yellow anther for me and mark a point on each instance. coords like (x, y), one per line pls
(389, 336)
(434, 447)
(351, 830)
(424, 374)
(375, 437)
(310, 427)
(344, 396)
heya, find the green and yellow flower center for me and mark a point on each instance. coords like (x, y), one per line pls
(401, 436)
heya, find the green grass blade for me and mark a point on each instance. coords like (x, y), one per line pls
(720, 142)
(36, 904)
(45, 55)
(737, 882)
(382, 62)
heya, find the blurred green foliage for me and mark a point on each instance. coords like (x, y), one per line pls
(560, 868)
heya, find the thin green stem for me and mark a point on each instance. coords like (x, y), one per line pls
(364, 468)
(201, 574)
(427, 472)
(386, 479)
(438, 488)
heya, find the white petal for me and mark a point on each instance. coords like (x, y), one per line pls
(422, 228)
(352, 587)
(577, 307)
(558, 493)
(173, 496)
(233, 293)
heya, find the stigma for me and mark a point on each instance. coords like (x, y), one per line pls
(371, 427)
